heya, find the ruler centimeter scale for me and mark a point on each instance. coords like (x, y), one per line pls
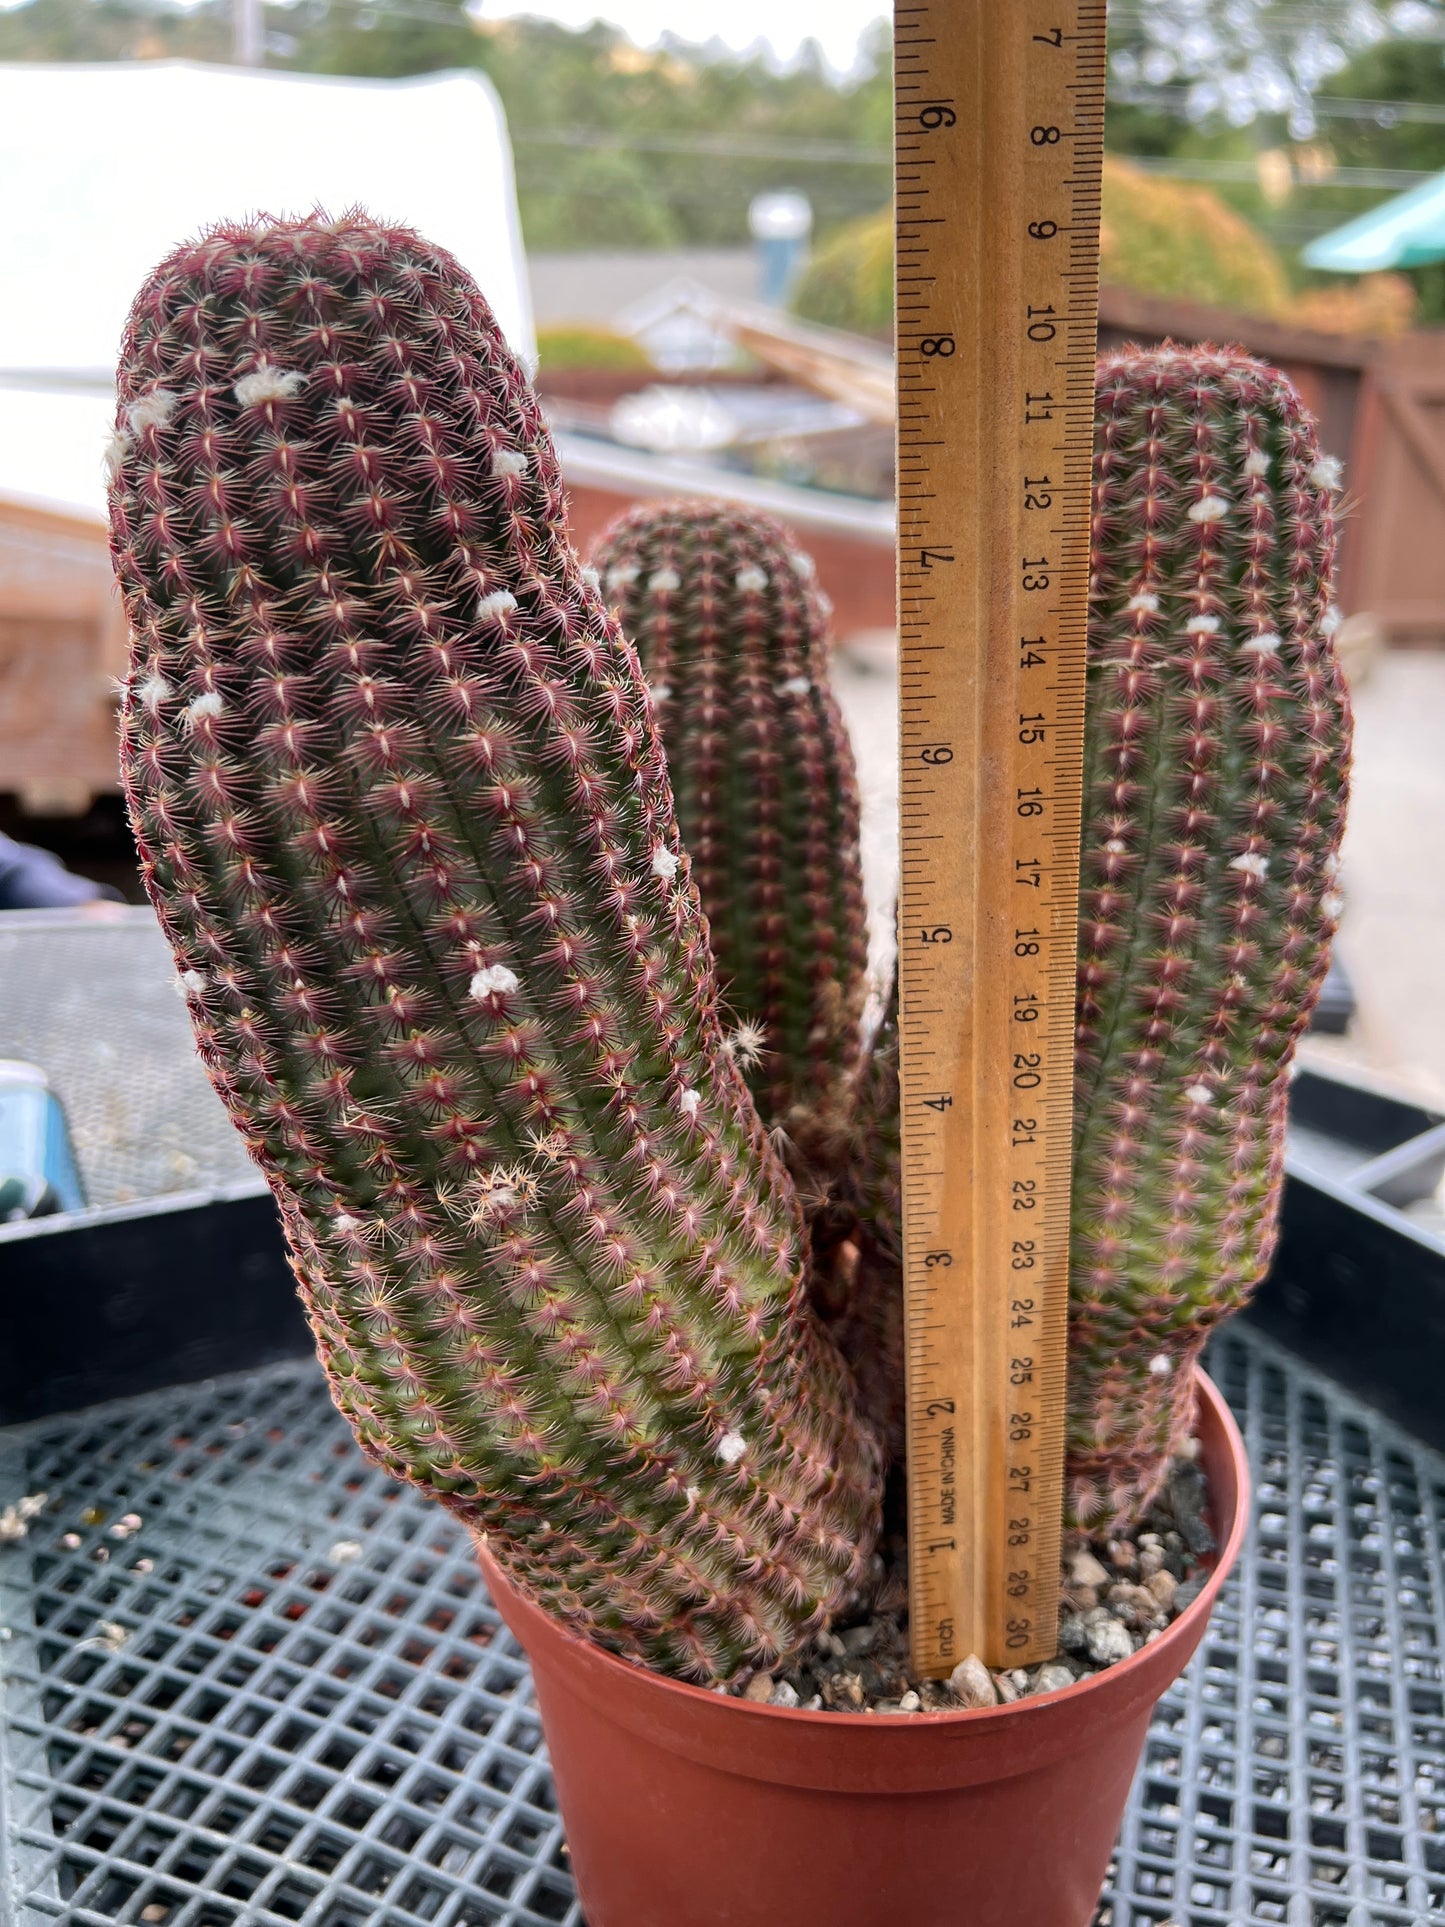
(1000, 107)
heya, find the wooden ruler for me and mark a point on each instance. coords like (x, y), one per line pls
(999, 146)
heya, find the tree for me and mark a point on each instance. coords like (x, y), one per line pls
(1240, 59)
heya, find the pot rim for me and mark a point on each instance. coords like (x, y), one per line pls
(1138, 1671)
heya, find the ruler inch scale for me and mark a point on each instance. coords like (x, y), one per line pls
(998, 149)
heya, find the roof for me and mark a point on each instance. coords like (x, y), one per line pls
(103, 169)
(1404, 232)
(588, 462)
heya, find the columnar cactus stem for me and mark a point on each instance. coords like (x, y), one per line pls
(1216, 766)
(733, 636)
(867, 1265)
(405, 816)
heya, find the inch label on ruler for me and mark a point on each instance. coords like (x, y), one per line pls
(999, 148)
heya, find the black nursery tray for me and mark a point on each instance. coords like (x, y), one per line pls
(285, 1697)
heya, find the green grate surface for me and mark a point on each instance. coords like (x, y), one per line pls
(285, 1697)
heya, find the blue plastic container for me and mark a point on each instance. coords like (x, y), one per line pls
(38, 1172)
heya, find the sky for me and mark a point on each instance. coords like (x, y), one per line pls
(782, 24)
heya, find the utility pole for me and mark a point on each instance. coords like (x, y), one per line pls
(249, 43)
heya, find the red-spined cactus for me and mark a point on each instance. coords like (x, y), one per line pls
(733, 635)
(1217, 753)
(405, 816)
(863, 1262)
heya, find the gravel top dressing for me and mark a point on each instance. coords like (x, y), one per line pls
(1116, 1596)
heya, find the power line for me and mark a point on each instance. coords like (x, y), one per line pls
(1134, 13)
(719, 146)
(1384, 113)
(1242, 172)
(724, 147)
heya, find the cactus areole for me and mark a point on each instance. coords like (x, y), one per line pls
(403, 810)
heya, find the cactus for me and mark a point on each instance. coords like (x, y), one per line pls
(1216, 754)
(1216, 759)
(403, 808)
(403, 811)
(863, 1286)
(732, 634)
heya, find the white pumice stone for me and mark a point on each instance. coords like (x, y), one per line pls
(1051, 1678)
(1086, 1570)
(972, 1682)
(1106, 1640)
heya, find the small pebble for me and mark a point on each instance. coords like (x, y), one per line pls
(157, 1910)
(1007, 1691)
(783, 1695)
(1020, 1678)
(1073, 1633)
(1151, 1560)
(1136, 1606)
(71, 1541)
(759, 1689)
(973, 1683)
(1105, 1640)
(1051, 1679)
(859, 1640)
(344, 1551)
(15, 1519)
(1086, 1570)
(1085, 1598)
(1187, 1497)
(1124, 1558)
(910, 1703)
(1165, 1588)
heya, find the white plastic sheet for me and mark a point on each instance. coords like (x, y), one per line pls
(103, 169)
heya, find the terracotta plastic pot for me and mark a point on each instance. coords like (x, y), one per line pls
(684, 1808)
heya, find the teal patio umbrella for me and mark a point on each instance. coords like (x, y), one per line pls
(1404, 232)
